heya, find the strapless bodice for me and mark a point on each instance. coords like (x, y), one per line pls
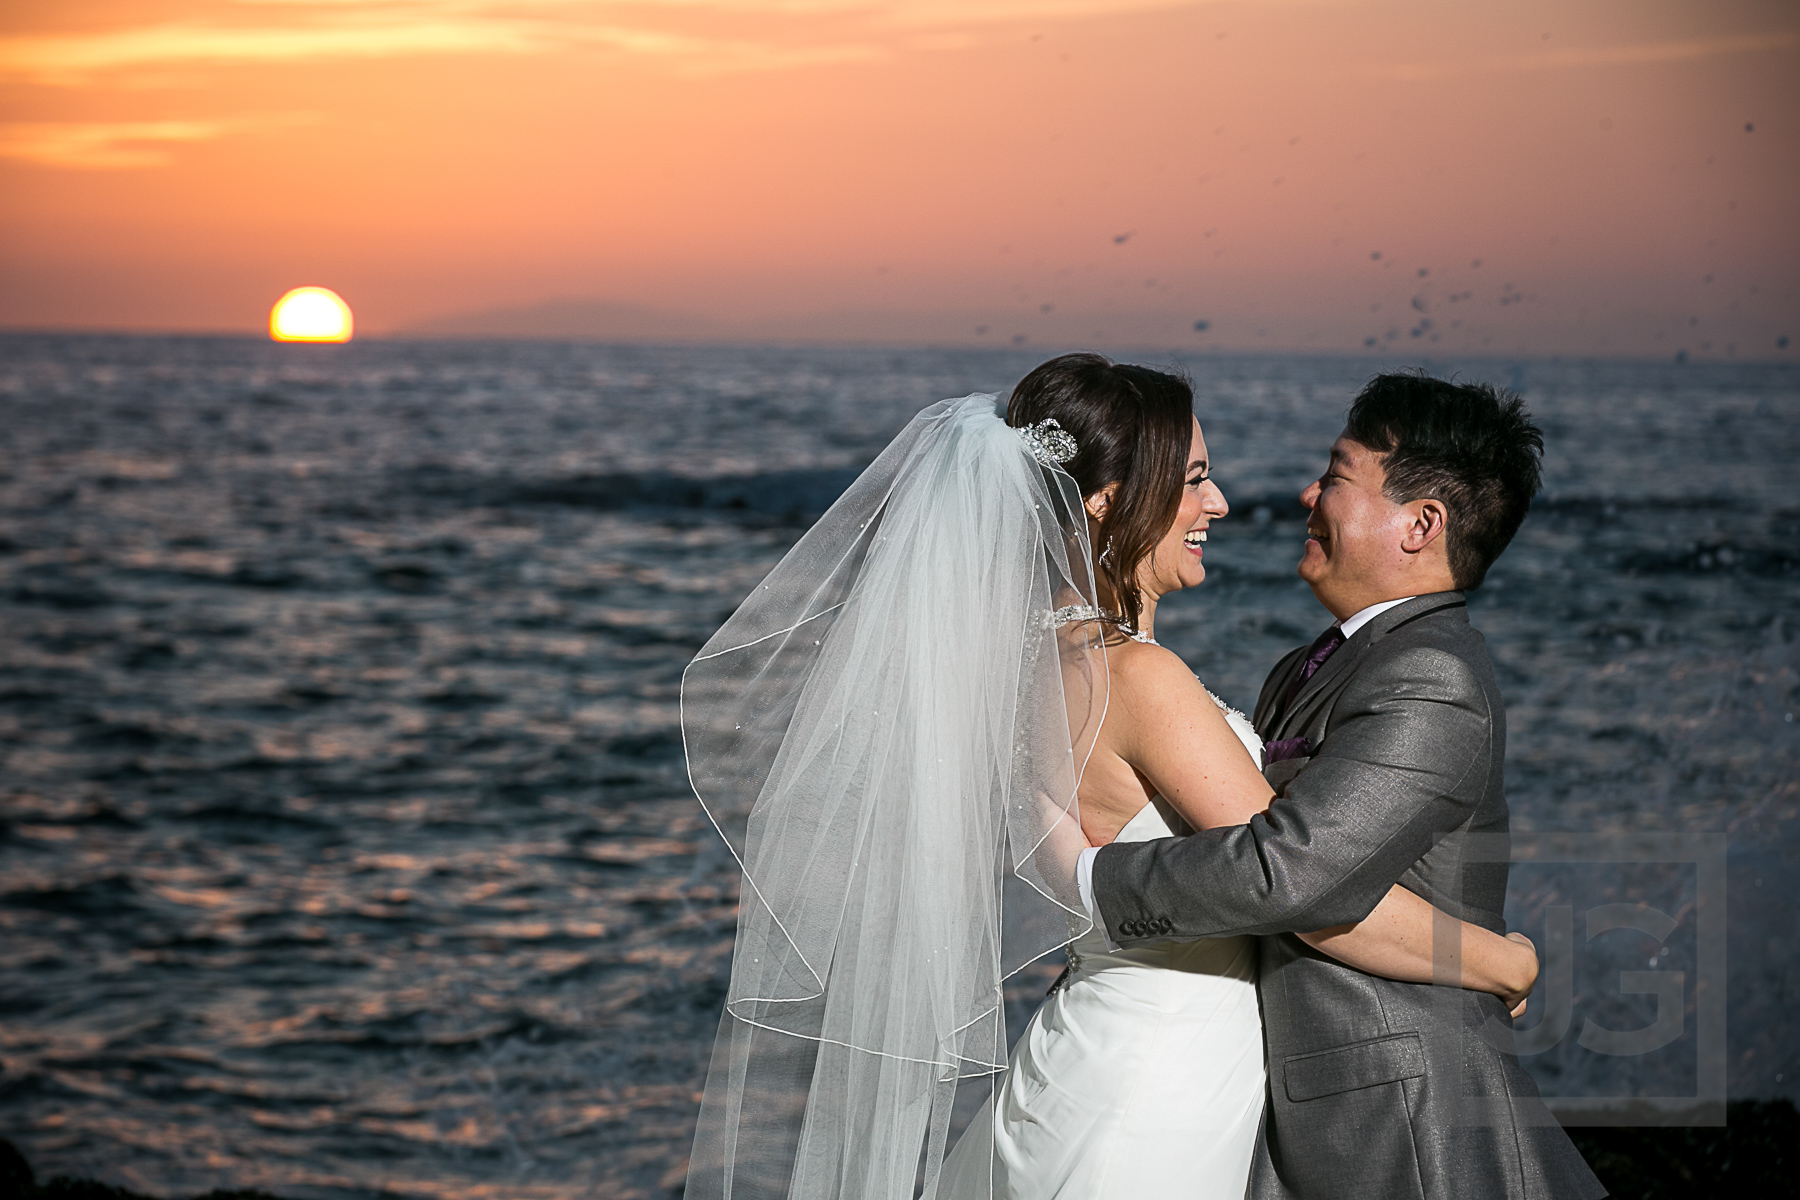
(1141, 1076)
(1232, 956)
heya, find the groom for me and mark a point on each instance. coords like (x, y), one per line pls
(1384, 736)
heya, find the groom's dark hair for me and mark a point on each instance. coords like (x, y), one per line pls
(1470, 445)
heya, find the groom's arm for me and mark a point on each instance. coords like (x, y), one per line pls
(1407, 757)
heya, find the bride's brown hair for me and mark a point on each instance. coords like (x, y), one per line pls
(1133, 426)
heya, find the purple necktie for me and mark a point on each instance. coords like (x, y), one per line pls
(1321, 650)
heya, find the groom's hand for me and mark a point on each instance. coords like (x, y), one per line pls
(1528, 973)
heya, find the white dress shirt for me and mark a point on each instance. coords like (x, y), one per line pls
(1084, 865)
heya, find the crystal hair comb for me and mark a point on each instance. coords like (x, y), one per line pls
(1049, 442)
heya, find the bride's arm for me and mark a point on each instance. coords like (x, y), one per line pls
(1177, 738)
(1395, 941)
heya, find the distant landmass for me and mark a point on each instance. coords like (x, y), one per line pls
(576, 320)
(597, 320)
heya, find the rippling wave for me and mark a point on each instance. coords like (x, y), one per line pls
(345, 839)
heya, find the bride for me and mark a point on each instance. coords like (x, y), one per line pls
(906, 734)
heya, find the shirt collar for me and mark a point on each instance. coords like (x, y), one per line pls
(1355, 622)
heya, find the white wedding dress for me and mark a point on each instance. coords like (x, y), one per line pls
(1139, 1079)
(900, 792)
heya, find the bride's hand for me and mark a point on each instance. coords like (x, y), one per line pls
(1520, 987)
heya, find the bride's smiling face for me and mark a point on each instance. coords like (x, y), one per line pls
(1177, 562)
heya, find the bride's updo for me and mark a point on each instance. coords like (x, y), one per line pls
(1133, 426)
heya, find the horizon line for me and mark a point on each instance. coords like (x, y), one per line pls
(1692, 358)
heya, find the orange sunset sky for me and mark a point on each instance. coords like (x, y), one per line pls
(1605, 177)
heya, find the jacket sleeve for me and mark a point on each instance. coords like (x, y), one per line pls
(1406, 758)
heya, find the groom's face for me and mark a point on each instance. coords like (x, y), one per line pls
(1354, 533)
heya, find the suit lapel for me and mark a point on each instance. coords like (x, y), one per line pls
(1268, 704)
(1351, 652)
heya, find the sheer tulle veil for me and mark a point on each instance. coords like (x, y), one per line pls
(889, 733)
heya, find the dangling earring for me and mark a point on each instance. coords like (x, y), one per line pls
(1106, 554)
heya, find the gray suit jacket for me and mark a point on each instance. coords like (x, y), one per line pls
(1366, 1075)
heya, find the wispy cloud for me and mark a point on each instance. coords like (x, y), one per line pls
(73, 58)
(102, 145)
(901, 11)
(294, 31)
(1643, 54)
(79, 59)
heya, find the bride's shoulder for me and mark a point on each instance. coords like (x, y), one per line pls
(1151, 674)
(1163, 701)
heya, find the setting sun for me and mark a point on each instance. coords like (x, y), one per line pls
(310, 314)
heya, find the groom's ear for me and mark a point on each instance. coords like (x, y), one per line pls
(1428, 521)
(1101, 501)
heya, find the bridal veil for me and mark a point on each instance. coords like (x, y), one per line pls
(889, 733)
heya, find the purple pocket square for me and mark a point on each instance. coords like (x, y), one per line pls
(1286, 748)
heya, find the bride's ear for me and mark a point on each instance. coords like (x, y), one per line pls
(1098, 503)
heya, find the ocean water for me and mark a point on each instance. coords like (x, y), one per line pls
(345, 847)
